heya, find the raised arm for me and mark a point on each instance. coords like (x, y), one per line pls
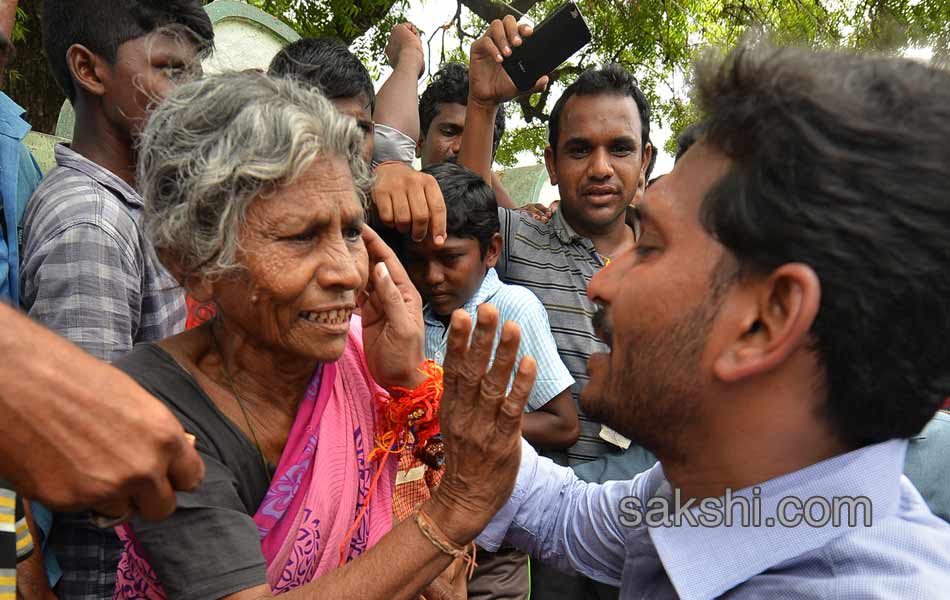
(397, 103)
(489, 86)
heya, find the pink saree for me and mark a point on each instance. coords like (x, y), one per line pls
(320, 487)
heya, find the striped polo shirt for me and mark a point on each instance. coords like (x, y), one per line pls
(557, 264)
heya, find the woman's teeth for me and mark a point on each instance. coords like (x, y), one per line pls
(333, 317)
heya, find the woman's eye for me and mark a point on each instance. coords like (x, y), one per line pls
(353, 234)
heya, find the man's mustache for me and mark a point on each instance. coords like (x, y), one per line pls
(602, 325)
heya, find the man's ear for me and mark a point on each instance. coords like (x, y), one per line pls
(86, 68)
(493, 251)
(644, 166)
(774, 323)
(419, 143)
(549, 162)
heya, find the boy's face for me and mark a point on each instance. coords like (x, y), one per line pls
(448, 276)
(146, 70)
(444, 139)
(360, 108)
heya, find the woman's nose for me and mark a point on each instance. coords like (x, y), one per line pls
(339, 268)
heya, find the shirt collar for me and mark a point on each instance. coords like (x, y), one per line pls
(12, 123)
(740, 553)
(485, 292)
(567, 234)
(69, 158)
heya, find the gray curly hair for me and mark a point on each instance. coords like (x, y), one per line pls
(215, 145)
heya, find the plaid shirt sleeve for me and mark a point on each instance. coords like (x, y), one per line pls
(87, 287)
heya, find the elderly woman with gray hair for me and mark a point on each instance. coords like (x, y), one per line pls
(252, 191)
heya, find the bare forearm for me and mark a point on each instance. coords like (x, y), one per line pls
(476, 151)
(399, 567)
(501, 194)
(397, 103)
(546, 430)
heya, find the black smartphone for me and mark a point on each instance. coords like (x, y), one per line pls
(555, 40)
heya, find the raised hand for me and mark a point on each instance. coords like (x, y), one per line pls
(405, 44)
(489, 84)
(481, 423)
(393, 331)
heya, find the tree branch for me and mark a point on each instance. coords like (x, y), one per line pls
(489, 10)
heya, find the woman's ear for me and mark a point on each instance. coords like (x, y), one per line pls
(198, 287)
(86, 68)
(493, 251)
(779, 320)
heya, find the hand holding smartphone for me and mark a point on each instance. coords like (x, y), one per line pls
(562, 34)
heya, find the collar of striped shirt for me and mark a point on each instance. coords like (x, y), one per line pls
(567, 235)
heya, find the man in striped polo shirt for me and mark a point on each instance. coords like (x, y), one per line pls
(598, 156)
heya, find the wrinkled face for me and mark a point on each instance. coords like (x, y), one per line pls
(599, 165)
(444, 139)
(146, 71)
(661, 303)
(448, 276)
(360, 108)
(303, 262)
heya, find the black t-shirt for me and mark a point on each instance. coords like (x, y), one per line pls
(210, 547)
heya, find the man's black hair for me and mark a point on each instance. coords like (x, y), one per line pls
(326, 64)
(470, 205)
(611, 79)
(840, 161)
(104, 26)
(689, 136)
(450, 86)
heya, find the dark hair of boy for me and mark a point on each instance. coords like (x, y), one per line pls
(450, 86)
(869, 214)
(104, 26)
(326, 64)
(611, 79)
(689, 136)
(470, 206)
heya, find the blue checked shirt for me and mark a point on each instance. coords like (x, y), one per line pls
(89, 274)
(514, 303)
(904, 553)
